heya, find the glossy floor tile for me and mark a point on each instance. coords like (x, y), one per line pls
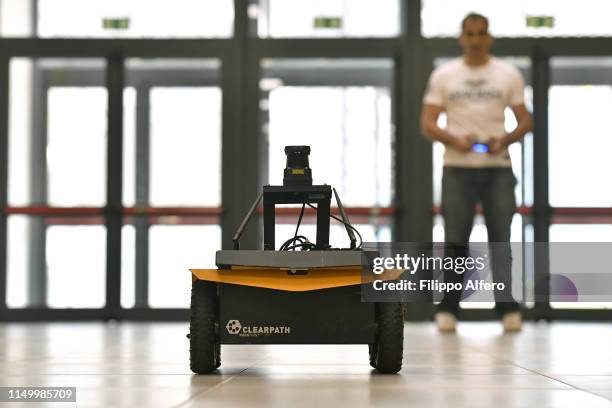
(146, 365)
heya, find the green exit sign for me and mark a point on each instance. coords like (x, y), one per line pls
(540, 21)
(328, 22)
(116, 23)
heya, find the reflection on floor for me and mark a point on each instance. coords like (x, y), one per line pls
(144, 364)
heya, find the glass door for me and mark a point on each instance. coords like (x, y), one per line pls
(580, 139)
(57, 181)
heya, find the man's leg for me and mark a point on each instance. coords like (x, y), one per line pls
(459, 196)
(499, 205)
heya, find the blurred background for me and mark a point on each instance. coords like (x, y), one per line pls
(135, 134)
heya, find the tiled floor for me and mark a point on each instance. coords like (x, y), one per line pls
(143, 364)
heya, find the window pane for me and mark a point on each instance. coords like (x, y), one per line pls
(76, 266)
(141, 18)
(57, 266)
(580, 233)
(57, 133)
(341, 130)
(442, 18)
(76, 149)
(348, 125)
(327, 18)
(580, 139)
(171, 116)
(577, 233)
(16, 18)
(173, 251)
(185, 146)
(129, 146)
(128, 266)
(20, 131)
(18, 244)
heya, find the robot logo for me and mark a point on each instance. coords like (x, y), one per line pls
(233, 327)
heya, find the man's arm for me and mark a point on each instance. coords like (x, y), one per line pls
(523, 126)
(429, 126)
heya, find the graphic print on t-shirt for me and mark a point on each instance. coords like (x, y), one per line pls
(475, 90)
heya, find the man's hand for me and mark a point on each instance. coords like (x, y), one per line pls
(463, 143)
(496, 146)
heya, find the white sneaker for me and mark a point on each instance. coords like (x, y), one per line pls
(512, 322)
(446, 322)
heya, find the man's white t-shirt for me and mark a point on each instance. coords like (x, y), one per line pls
(474, 99)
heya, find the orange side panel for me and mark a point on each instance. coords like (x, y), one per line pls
(280, 279)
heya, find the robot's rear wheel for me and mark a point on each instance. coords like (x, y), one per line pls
(204, 344)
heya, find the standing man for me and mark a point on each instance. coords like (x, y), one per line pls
(474, 90)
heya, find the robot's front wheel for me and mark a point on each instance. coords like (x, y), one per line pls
(387, 352)
(204, 344)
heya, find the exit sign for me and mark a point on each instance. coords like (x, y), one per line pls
(540, 21)
(116, 23)
(328, 22)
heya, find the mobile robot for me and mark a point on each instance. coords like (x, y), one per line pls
(302, 293)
